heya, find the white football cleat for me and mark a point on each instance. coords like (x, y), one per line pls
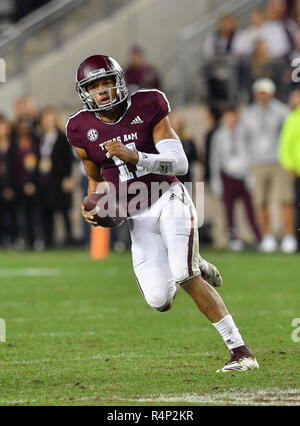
(241, 359)
(210, 273)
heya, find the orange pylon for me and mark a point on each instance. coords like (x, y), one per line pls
(100, 242)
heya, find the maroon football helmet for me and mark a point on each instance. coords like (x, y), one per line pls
(93, 68)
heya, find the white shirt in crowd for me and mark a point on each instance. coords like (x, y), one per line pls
(245, 41)
(261, 128)
(274, 34)
(228, 155)
(47, 143)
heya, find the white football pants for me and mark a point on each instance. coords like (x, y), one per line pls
(165, 247)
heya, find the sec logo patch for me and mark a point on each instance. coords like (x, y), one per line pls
(92, 135)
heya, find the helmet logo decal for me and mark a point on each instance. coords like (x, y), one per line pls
(95, 72)
(92, 135)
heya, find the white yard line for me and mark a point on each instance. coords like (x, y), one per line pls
(262, 397)
(16, 401)
(29, 272)
(94, 357)
(130, 355)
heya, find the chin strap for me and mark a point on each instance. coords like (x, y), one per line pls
(171, 159)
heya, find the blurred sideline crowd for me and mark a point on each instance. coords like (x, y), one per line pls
(250, 150)
(253, 150)
(235, 58)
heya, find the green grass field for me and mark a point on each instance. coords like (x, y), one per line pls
(80, 333)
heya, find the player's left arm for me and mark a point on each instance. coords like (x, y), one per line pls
(171, 159)
(163, 130)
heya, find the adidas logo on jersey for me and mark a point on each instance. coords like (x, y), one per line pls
(137, 120)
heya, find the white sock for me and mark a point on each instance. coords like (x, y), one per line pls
(229, 332)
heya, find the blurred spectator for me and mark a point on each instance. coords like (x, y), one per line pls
(278, 30)
(294, 100)
(294, 10)
(230, 173)
(26, 108)
(220, 42)
(261, 65)
(278, 33)
(139, 74)
(246, 40)
(213, 116)
(220, 71)
(8, 218)
(25, 174)
(179, 125)
(56, 182)
(261, 126)
(296, 51)
(244, 47)
(289, 152)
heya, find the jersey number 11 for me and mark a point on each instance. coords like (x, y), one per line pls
(125, 174)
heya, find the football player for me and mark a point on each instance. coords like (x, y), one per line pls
(127, 140)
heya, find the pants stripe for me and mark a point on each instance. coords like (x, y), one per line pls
(191, 238)
(191, 243)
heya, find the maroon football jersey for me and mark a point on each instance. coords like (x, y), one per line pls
(86, 130)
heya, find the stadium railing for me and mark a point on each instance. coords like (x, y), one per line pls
(48, 27)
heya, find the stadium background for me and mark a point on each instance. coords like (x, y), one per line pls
(42, 47)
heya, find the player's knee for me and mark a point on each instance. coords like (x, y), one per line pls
(164, 308)
(160, 304)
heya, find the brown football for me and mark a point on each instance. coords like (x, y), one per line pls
(90, 205)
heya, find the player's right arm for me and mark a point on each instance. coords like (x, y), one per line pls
(92, 170)
(94, 176)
